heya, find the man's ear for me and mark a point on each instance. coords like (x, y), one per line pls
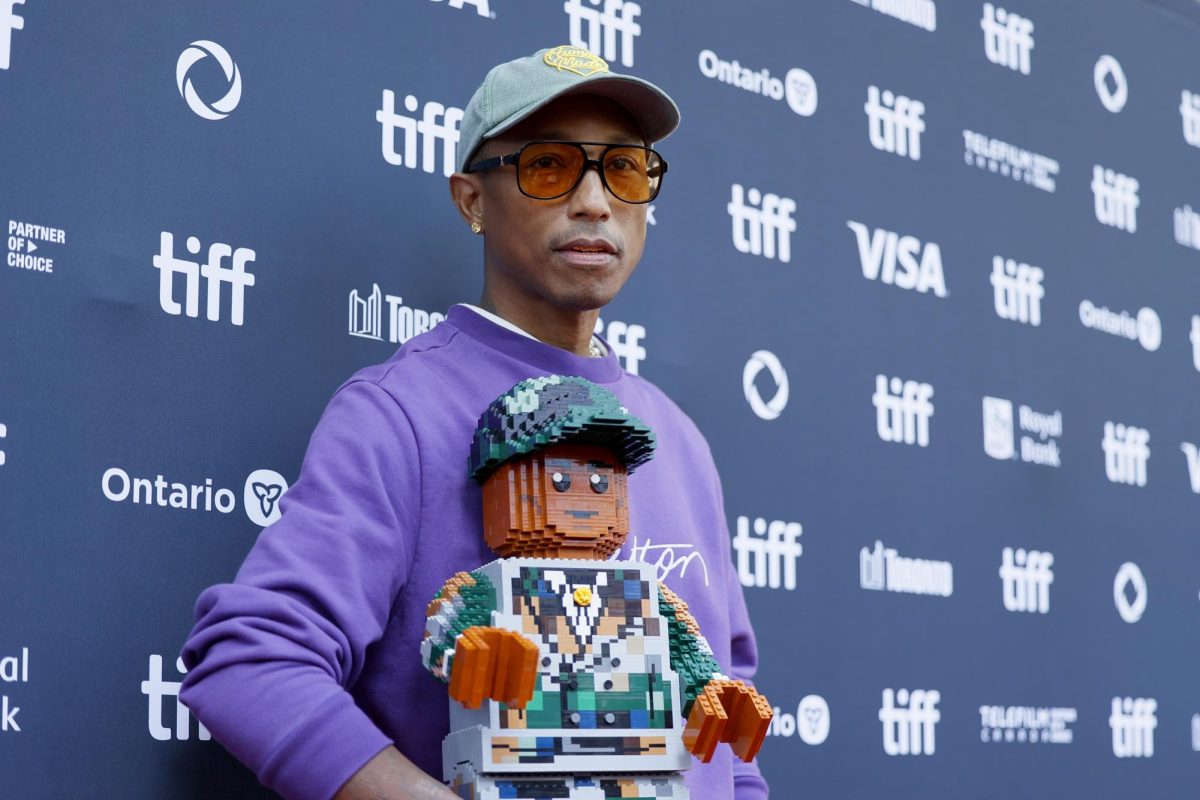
(466, 192)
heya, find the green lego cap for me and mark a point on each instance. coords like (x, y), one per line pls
(556, 409)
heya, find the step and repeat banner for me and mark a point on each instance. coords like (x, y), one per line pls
(925, 274)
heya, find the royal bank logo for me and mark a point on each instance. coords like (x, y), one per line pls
(1126, 453)
(1017, 290)
(1145, 327)
(25, 239)
(9, 22)
(883, 569)
(1187, 227)
(1111, 86)
(1133, 721)
(213, 273)
(1007, 38)
(1189, 111)
(894, 123)
(1027, 724)
(404, 322)
(13, 669)
(901, 261)
(1040, 433)
(767, 552)
(196, 52)
(437, 123)
(810, 722)
(261, 495)
(1130, 593)
(762, 223)
(903, 409)
(1009, 161)
(482, 8)
(156, 689)
(910, 721)
(625, 339)
(1116, 199)
(921, 13)
(797, 86)
(765, 360)
(1025, 578)
(607, 22)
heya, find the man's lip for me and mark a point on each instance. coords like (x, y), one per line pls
(602, 245)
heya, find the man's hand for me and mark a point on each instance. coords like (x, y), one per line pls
(495, 663)
(391, 776)
(727, 711)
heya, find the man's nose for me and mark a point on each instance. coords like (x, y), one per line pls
(591, 200)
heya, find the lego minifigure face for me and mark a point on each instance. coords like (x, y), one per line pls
(567, 501)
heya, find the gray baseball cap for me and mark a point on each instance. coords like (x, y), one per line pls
(514, 90)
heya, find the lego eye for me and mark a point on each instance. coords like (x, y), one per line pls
(599, 483)
(561, 480)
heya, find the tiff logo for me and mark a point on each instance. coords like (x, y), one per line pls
(1196, 732)
(1194, 336)
(624, 339)
(762, 223)
(1116, 198)
(902, 410)
(603, 25)
(768, 556)
(481, 6)
(214, 274)
(1007, 38)
(910, 731)
(155, 689)
(430, 129)
(1018, 290)
(1026, 577)
(366, 317)
(1126, 451)
(1187, 227)
(9, 22)
(894, 122)
(880, 252)
(1189, 110)
(1133, 722)
(1190, 451)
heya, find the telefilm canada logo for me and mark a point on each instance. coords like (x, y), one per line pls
(1026, 724)
(1010, 161)
(810, 723)
(797, 85)
(194, 53)
(261, 492)
(366, 315)
(767, 552)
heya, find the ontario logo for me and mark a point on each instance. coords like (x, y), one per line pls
(261, 493)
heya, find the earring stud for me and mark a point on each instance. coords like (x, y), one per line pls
(476, 228)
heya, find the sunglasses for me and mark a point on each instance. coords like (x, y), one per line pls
(548, 170)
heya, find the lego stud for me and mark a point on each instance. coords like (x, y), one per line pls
(583, 596)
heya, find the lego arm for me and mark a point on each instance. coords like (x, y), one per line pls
(717, 708)
(477, 660)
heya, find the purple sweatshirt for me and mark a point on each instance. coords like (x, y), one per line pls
(309, 664)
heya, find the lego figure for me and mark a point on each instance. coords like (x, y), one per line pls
(570, 675)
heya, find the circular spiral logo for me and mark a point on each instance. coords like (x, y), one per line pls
(198, 51)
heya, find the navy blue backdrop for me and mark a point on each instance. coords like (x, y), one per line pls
(924, 274)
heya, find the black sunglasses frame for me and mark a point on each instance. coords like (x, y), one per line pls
(514, 159)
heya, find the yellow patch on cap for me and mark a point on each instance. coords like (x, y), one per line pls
(575, 59)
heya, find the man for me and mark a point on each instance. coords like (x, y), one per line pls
(308, 666)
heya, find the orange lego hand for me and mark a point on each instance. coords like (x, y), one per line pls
(495, 663)
(727, 711)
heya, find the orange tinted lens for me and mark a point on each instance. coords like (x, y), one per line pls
(549, 170)
(632, 173)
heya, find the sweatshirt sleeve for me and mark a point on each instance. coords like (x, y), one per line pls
(748, 782)
(272, 654)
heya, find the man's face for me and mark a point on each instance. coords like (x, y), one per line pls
(543, 253)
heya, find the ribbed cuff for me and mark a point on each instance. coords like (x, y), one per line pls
(324, 751)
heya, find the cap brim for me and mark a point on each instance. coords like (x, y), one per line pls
(654, 112)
